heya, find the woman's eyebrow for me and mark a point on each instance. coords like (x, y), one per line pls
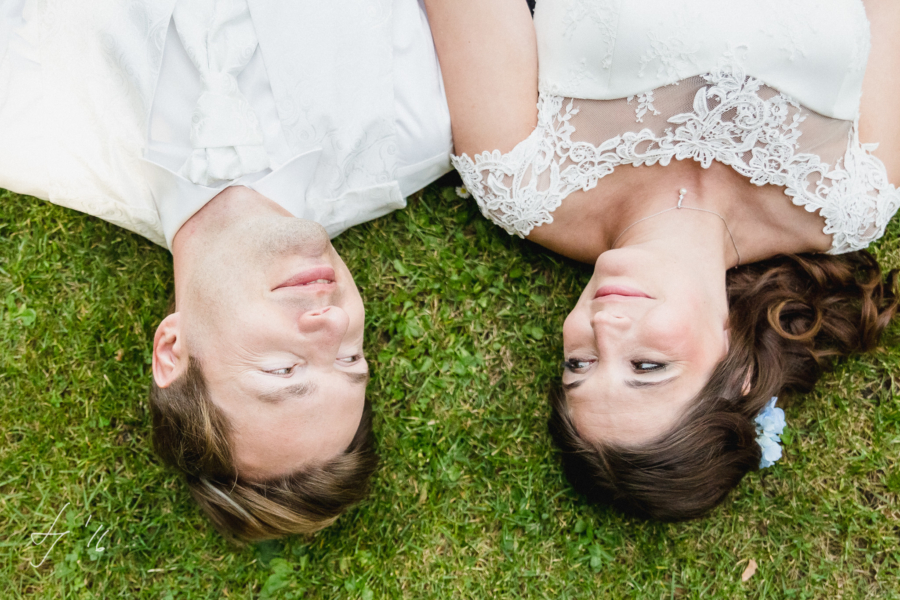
(358, 378)
(635, 383)
(571, 386)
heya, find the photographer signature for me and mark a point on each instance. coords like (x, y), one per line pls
(39, 538)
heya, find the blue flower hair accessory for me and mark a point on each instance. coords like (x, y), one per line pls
(769, 427)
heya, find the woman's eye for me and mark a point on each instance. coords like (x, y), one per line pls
(646, 366)
(576, 364)
(284, 371)
(351, 359)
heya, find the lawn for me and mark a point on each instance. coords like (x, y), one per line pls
(463, 327)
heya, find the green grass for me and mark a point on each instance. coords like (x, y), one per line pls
(463, 332)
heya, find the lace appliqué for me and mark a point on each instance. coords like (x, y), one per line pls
(730, 123)
(791, 30)
(644, 105)
(604, 14)
(674, 55)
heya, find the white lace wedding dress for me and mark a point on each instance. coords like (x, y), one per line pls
(770, 88)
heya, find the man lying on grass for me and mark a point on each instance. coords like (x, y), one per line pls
(241, 135)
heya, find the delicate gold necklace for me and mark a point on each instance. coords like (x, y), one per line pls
(681, 194)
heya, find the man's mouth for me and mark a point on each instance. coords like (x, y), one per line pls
(314, 279)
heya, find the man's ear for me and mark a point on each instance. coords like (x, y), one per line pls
(170, 357)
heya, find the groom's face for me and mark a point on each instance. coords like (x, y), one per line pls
(276, 320)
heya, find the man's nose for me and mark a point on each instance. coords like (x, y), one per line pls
(327, 325)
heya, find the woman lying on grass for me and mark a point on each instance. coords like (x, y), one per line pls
(721, 278)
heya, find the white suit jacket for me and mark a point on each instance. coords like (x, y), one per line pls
(97, 63)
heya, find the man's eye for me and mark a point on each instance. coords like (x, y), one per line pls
(351, 359)
(576, 364)
(284, 371)
(646, 366)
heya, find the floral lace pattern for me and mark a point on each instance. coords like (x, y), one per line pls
(644, 105)
(603, 14)
(735, 120)
(791, 32)
(669, 52)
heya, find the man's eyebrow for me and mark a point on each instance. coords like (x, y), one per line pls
(358, 378)
(298, 390)
(635, 383)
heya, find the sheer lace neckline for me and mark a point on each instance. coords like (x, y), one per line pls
(722, 116)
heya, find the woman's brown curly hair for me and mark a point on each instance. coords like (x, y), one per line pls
(788, 317)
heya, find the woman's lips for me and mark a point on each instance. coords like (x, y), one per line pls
(619, 290)
(317, 278)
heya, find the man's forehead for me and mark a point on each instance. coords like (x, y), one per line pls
(272, 438)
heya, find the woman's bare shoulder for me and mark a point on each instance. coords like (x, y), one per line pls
(880, 109)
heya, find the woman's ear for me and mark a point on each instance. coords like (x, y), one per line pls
(170, 357)
(748, 381)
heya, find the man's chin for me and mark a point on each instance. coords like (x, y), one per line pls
(286, 236)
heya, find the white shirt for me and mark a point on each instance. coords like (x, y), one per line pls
(400, 145)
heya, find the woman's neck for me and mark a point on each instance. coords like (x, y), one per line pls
(689, 226)
(691, 238)
(762, 219)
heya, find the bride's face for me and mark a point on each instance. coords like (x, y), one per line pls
(640, 343)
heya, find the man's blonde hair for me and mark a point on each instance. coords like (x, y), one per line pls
(190, 434)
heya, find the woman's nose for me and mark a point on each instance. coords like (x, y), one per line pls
(607, 320)
(328, 324)
(604, 324)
